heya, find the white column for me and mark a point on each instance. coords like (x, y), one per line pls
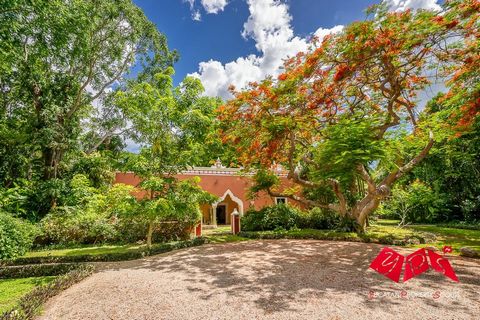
(214, 214)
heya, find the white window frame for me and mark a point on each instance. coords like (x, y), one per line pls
(284, 198)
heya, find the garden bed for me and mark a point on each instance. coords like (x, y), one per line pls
(29, 305)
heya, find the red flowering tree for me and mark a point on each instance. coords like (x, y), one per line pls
(463, 69)
(344, 118)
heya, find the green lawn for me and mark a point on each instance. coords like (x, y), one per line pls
(221, 235)
(386, 231)
(454, 237)
(445, 236)
(85, 250)
(11, 290)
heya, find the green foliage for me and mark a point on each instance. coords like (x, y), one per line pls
(271, 218)
(95, 166)
(16, 236)
(58, 51)
(413, 203)
(451, 170)
(284, 217)
(36, 270)
(15, 199)
(70, 225)
(301, 234)
(115, 215)
(264, 180)
(346, 144)
(92, 219)
(318, 218)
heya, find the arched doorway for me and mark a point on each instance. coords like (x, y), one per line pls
(222, 209)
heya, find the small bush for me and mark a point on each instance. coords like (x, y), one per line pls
(271, 218)
(321, 219)
(414, 203)
(16, 236)
(133, 229)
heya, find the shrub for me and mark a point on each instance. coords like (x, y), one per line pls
(133, 229)
(318, 218)
(16, 236)
(271, 218)
(416, 202)
(93, 220)
(69, 225)
(36, 270)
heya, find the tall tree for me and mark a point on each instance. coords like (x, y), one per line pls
(170, 123)
(57, 58)
(345, 115)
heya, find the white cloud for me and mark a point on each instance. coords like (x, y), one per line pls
(402, 5)
(269, 26)
(214, 6)
(196, 16)
(321, 32)
(210, 6)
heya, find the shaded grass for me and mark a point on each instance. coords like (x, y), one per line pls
(11, 290)
(454, 237)
(445, 236)
(386, 232)
(221, 235)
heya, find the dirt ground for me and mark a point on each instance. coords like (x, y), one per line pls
(277, 279)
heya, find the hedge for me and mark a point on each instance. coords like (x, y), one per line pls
(31, 303)
(37, 270)
(333, 235)
(107, 257)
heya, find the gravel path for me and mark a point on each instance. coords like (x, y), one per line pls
(279, 279)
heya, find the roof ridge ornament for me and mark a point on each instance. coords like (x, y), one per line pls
(218, 164)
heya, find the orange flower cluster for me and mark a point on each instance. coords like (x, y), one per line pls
(374, 68)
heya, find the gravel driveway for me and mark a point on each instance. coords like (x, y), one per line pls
(278, 279)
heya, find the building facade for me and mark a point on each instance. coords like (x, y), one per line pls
(230, 185)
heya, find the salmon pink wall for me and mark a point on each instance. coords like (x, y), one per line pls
(216, 184)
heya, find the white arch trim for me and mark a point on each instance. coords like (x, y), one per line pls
(235, 199)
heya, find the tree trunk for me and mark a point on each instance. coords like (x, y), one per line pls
(150, 233)
(51, 159)
(363, 209)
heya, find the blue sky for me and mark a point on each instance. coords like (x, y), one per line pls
(227, 42)
(218, 36)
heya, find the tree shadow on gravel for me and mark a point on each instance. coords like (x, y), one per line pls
(275, 273)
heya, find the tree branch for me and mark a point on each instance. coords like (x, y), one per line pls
(342, 201)
(397, 174)
(367, 178)
(309, 203)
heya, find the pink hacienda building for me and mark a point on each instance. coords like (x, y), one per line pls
(229, 184)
